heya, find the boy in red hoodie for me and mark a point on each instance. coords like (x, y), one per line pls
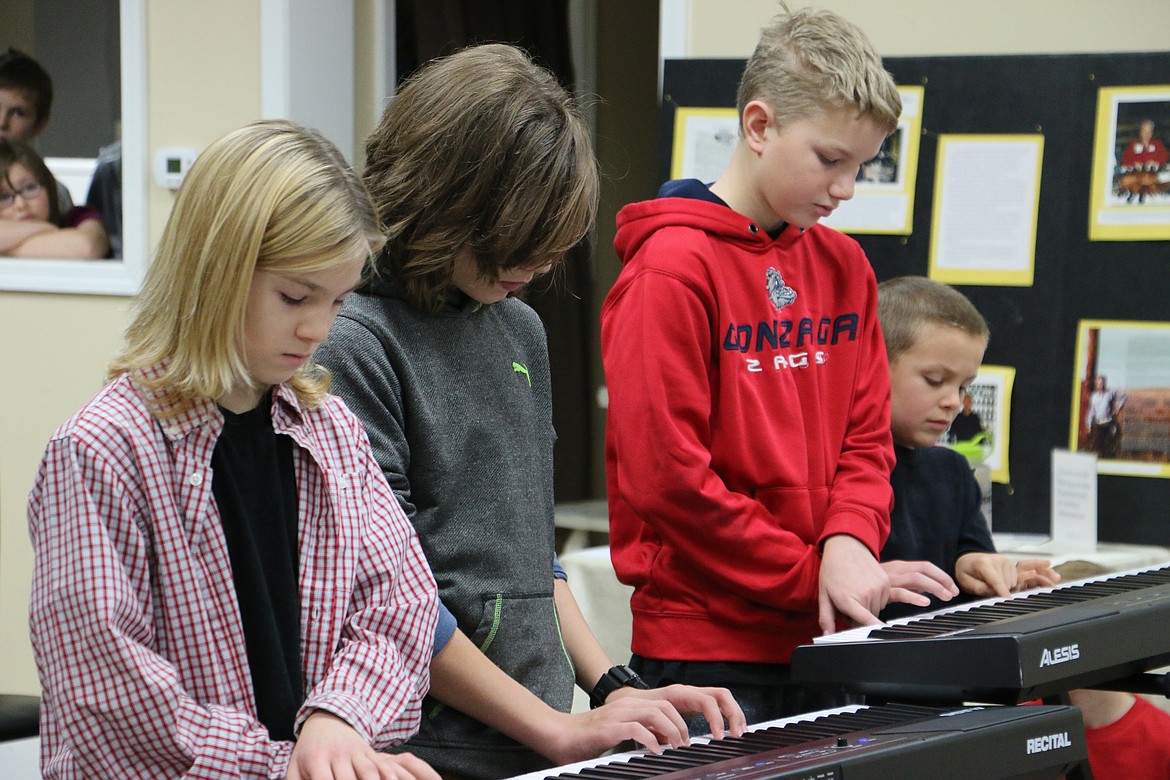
(748, 448)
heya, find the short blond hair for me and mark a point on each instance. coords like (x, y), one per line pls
(483, 150)
(270, 196)
(907, 304)
(811, 60)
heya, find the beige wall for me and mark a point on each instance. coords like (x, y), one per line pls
(728, 28)
(54, 348)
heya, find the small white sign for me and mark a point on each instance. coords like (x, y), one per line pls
(1074, 500)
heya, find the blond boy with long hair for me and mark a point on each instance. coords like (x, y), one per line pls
(224, 584)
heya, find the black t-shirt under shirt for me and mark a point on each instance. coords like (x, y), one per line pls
(254, 485)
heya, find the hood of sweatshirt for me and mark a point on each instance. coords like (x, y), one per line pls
(689, 203)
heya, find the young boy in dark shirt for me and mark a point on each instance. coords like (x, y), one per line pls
(935, 339)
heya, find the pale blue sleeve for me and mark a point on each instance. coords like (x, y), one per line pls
(444, 629)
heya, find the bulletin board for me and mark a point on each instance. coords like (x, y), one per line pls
(1034, 327)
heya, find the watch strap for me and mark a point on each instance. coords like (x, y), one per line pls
(620, 676)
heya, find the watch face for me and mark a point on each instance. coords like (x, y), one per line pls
(627, 676)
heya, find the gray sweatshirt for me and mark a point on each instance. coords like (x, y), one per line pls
(458, 408)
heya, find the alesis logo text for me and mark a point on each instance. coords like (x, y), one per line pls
(1049, 742)
(1059, 655)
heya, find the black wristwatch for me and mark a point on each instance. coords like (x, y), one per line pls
(618, 677)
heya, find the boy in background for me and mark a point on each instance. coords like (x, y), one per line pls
(26, 95)
(748, 453)
(935, 339)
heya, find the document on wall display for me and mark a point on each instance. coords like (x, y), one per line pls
(883, 197)
(1074, 501)
(986, 198)
(704, 139)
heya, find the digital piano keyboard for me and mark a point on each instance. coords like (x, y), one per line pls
(1036, 644)
(868, 742)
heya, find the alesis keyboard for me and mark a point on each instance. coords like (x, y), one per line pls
(1037, 644)
(859, 743)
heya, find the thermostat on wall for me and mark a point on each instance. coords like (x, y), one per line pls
(171, 165)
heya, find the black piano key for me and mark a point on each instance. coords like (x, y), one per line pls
(614, 772)
(713, 750)
(687, 756)
(830, 726)
(694, 757)
(897, 632)
(667, 762)
(750, 742)
(906, 631)
(993, 610)
(896, 712)
(737, 747)
(809, 731)
(759, 737)
(774, 737)
(826, 729)
(1104, 588)
(671, 760)
(1041, 601)
(953, 621)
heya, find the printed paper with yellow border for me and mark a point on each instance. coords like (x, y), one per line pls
(986, 199)
(704, 139)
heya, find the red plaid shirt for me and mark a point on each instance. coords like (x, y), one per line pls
(135, 624)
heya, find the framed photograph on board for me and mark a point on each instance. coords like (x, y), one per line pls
(883, 199)
(1130, 198)
(1121, 396)
(982, 427)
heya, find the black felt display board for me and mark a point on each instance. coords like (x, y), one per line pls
(1033, 329)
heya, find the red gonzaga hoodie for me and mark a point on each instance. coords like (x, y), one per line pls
(748, 421)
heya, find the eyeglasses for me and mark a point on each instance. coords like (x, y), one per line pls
(27, 192)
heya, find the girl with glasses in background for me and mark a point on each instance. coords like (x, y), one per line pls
(31, 222)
